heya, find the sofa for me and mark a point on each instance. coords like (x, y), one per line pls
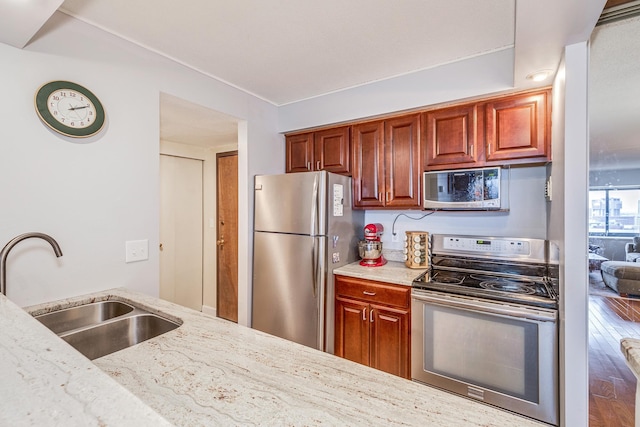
(632, 250)
(622, 276)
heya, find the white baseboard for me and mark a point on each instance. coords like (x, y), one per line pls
(211, 311)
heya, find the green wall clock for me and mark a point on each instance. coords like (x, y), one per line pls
(69, 109)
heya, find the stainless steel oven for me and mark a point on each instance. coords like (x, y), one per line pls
(484, 323)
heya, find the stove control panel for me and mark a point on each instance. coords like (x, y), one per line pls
(494, 246)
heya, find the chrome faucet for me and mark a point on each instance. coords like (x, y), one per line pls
(7, 248)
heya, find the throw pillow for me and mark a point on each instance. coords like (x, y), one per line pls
(636, 243)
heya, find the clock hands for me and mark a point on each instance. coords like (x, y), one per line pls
(78, 108)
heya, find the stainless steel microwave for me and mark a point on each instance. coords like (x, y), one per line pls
(467, 189)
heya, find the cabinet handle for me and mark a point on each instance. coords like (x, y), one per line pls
(471, 149)
(371, 315)
(318, 165)
(368, 293)
(364, 313)
(387, 197)
(380, 196)
(308, 166)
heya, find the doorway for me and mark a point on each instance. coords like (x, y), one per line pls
(613, 211)
(227, 238)
(192, 131)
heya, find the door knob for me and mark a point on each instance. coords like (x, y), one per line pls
(160, 246)
(220, 242)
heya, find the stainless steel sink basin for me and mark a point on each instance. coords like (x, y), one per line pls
(84, 315)
(102, 328)
(112, 336)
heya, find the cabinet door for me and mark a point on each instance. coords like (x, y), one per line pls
(352, 330)
(332, 150)
(402, 162)
(389, 343)
(368, 164)
(518, 127)
(299, 156)
(452, 137)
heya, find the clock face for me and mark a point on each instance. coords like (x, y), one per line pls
(69, 109)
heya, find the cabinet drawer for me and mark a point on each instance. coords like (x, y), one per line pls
(375, 292)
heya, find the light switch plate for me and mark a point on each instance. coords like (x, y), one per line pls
(136, 250)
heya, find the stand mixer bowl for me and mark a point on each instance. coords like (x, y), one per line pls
(370, 249)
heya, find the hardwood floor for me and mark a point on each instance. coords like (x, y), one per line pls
(612, 385)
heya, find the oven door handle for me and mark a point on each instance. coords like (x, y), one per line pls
(503, 309)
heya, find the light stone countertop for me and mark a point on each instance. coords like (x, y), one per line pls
(45, 382)
(392, 272)
(213, 372)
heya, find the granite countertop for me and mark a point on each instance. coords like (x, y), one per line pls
(45, 382)
(630, 348)
(209, 372)
(392, 272)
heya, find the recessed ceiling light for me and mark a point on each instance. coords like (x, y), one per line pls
(539, 76)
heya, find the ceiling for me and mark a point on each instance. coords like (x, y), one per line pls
(187, 123)
(288, 50)
(284, 51)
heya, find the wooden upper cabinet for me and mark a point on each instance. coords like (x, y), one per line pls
(386, 163)
(332, 150)
(386, 157)
(519, 128)
(452, 137)
(327, 149)
(299, 156)
(367, 147)
(402, 162)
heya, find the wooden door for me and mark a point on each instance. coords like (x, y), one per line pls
(368, 164)
(332, 150)
(299, 153)
(519, 127)
(402, 162)
(227, 238)
(352, 330)
(389, 343)
(181, 231)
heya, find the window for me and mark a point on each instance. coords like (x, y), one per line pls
(614, 211)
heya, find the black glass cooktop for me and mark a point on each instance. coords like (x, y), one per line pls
(523, 284)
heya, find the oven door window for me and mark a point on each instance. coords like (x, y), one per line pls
(485, 350)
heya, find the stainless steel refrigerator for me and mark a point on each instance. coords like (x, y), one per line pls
(304, 228)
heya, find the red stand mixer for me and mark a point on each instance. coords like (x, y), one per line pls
(370, 249)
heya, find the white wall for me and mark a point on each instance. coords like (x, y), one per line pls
(526, 216)
(93, 195)
(463, 79)
(571, 234)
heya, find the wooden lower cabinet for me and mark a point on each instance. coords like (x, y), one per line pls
(373, 324)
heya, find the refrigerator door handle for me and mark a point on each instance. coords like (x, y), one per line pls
(319, 281)
(314, 267)
(314, 207)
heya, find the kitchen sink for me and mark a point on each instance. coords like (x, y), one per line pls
(109, 337)
(83, 315)
(102, 328)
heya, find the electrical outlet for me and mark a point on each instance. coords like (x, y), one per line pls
(547, 190)
(136, 250)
